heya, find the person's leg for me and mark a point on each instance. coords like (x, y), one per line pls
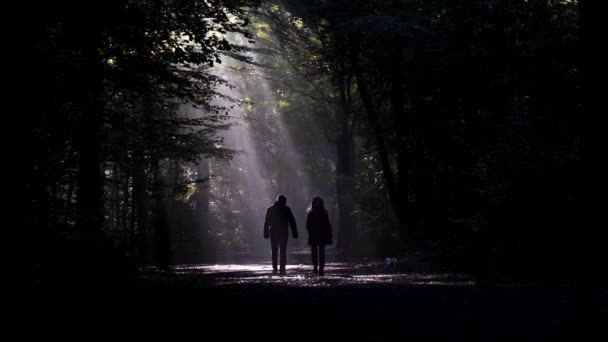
(313, 252)
(321, 259)
(274, 245)
(283, 252)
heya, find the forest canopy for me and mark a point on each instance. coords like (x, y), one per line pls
(156, 132)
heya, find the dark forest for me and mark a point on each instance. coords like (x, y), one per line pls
(452, 146)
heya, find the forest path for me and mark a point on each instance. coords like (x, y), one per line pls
(353, 300)
(367, 300)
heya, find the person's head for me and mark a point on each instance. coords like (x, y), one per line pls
(282, 200)
(317, 204)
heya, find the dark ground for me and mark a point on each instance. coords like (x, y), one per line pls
(354, 300)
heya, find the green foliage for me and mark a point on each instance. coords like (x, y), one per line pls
(471, 108)
(120, 86)
(488, 122)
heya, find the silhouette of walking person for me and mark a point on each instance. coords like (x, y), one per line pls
(319, 234)
(278, 217)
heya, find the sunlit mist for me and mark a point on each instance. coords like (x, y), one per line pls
(338, 274)
(268, 161)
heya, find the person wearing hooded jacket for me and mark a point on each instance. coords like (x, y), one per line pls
(278, 219)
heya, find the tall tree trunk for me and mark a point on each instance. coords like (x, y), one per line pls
(116, 196)
(90, 179)
(161, 194)
(140, 203)
(200, 222)
(422, 186)
(345, 184)
(125, 210)
(345, 168)
(398, 108)
(171, 224)
(68, 203)
(389, 179)
(133, 218)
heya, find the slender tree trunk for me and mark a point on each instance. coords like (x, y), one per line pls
(169, 223)
(345, 168)
(90, 179)
(116, 195)
(345, 185)
(125, 209)
(89, 186)
(200, 222)
(398, 108)
(389, 179)
(133, 217)
(161, 195)
(42, 196)
(68, 203)
(140, 204)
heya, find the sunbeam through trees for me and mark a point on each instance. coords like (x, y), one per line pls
(438, 156)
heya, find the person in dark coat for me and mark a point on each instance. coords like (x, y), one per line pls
(319, 234)
(278, 217)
